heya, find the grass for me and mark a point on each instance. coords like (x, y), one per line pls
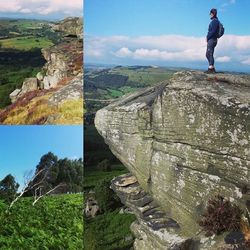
(55, 222)
(92, 175)
(71, 112)
(143, 76)
(26, 43)
(109, 231)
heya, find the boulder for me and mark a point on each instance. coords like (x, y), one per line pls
(91, 208)
(29, 84)
(72, 91)
(14, 95)
(185, 140)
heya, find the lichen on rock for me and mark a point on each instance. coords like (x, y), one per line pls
(185, 140)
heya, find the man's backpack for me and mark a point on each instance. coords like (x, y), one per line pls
(221, 30)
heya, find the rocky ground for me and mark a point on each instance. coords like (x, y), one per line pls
(185, 140)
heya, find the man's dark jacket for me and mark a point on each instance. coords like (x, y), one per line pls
(213, 29)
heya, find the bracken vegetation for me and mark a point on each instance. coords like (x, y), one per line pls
(55, 222)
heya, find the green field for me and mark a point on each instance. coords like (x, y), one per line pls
(144, 76)
(21, 24)
(54, 222)
(25, 43)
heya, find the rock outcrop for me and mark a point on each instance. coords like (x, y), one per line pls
(185, 141)
(63, 60)
(66, 58)
(55, 95)
(71, 26)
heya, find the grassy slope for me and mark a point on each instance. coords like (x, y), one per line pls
(54, 222)
(33, 108)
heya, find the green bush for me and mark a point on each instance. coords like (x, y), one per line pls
(106, 198)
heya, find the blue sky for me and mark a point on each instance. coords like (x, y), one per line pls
(41, 9)
(146, 32)
(21, 147)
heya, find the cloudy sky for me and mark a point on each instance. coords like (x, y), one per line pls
(45, 9)
(167, 33)
(21, 147)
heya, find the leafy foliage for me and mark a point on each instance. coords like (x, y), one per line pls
(105, 196)
(109, 231)
(51, 172)
(8, 188)
(220, 216)
(55, 222)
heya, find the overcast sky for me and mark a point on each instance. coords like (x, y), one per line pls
(168, 33)
(41, 9)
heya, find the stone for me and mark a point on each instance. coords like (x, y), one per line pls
(153, 228)
(14, 95)
(72, 26)
(72, 91)
(29, 84)
(63, 60)
(185, 140)
(91, 208)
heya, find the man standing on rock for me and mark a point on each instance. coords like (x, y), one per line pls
(212, 38)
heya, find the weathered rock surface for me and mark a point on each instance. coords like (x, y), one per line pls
(72, 26)
(63, 60)
(185, 140)
(72, 91)
(14, 95)
(152, 223)
(29, 84)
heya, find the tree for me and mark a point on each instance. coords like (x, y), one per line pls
(8, 188)
(48, 171)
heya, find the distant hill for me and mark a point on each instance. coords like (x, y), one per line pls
(101, 85)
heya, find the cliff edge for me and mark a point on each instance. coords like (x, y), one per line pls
(185, 141)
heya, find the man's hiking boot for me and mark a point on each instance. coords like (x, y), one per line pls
(210, 71)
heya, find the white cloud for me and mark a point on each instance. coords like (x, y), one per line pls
(246, 61)
(230, 48)
(123, 52)
(226, 4)
(223, 59)
(42, 7)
